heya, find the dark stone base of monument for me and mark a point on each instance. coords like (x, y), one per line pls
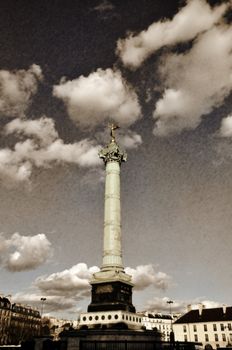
(111, 296)
(119, 340)
(106, 339)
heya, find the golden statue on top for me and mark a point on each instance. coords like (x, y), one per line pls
(113, 127)
(112, 152)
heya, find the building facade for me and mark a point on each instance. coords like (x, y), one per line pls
(5, 320)
(17, 322)
(160, 322)
(211, 327)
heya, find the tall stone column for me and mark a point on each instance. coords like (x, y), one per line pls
(111, 286)
(112, 247)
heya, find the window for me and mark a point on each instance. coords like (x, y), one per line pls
(194, 328)
(229, 326)
(223, 337)
(90, 318)
(215, 327)
(116, 317)
(96, 318)
(205, 327)
(84, 318)
(109, 317)
(103, 317)
(206, 337)
(185, 338)
(184, 329)
(222, 326)
(195, 337)
(216, 337)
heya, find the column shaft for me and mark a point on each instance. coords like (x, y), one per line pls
(112, 250)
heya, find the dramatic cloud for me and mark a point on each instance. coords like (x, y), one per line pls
(21, 253)
(160, 305)
(43, 149)
(129, 140)
(69, 282)
(17, 88)
(43, 129)
(76, 279)
(52, 303)
(178, 306)
(226, 127)
(63, 290)
(104, 6)
(196, 17)
(102, 95)
(196, 81)
(145, 275)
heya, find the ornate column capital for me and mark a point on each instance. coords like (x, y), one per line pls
(112, 153)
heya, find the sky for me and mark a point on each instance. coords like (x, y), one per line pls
(161, 70)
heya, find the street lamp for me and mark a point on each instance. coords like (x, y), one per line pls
(42, 305)
(170, 302)
(172, 339)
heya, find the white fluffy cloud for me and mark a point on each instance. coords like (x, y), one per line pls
(68, 282)
(64, 289)
(145, 275)
(102, 95)
(160, 304)
(196, 81)
(43, 129)
(104, 6)
(196, 17)
(226, 127)
(76, 279)
(130, 139)
(21, 253)
(51, 304)
(43, 149)
(17, 88)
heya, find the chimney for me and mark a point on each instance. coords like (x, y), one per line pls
(201, 307)
(224, 309)
(189, 307)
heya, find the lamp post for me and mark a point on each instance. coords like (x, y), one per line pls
(172, 339)
(42, 305)
(170, 302)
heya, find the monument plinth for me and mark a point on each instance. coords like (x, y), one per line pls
(111, 286)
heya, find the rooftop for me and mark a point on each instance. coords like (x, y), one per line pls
(219, 314)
